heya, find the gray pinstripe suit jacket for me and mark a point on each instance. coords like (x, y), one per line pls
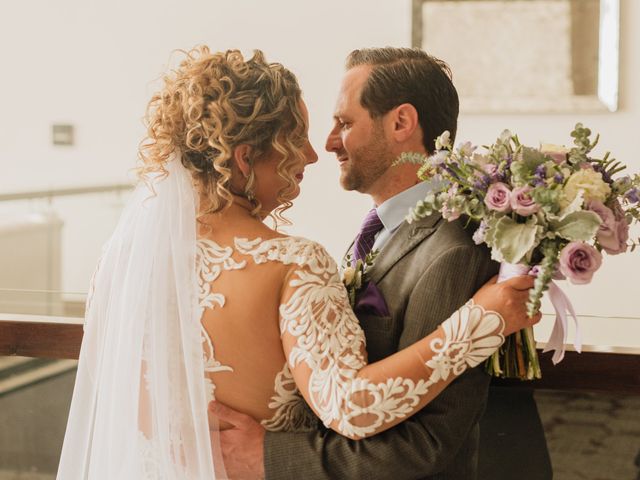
(426, 271)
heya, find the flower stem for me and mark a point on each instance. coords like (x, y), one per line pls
(533, 367)
(522, 371)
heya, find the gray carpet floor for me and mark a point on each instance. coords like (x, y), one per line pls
(591, 436)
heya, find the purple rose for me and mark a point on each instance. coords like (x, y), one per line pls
(522, 203)
(614, 230)
(613, 240)
(498, 197)
(579, 261)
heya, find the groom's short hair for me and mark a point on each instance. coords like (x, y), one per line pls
(409, 75)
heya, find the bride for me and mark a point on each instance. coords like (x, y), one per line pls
(195, 298)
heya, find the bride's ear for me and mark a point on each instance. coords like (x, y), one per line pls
(241, 155)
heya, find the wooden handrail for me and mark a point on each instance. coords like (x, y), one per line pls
(40, 336)
(596, 369)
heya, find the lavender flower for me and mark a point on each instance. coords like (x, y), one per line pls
(599, 168)
(538, 182)
(540, 175)
(480, 234)
(481, 182)
(632, 196)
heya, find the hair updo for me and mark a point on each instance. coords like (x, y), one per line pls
(214, 102)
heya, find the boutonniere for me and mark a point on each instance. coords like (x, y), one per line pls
(354, 274)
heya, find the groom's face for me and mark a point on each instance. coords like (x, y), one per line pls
(359, 141)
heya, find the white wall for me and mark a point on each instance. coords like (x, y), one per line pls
(615, 290)
(93, 64)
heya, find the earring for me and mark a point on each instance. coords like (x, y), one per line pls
(248, 189)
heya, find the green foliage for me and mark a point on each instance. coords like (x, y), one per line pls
(577, 226)
(512, 241)
(524, 166)
(550, 252)
(548, 198)
(413, 158)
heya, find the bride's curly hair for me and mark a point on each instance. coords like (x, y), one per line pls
(214, 102)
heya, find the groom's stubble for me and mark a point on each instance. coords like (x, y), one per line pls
(367, 163)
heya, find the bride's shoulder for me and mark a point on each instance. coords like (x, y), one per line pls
(283, 248)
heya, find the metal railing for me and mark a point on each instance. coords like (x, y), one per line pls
(64, 192)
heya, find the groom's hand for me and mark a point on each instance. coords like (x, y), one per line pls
(242, 445)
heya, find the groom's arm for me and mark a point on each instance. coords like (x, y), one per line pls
(425, 443)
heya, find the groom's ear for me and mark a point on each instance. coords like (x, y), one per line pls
(405, 122)
(241, 155)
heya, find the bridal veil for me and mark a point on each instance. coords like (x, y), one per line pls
(139, 408)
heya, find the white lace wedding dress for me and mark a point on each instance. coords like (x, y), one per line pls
(305, 343)
(262, 323)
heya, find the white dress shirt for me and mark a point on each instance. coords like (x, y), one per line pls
(393, 211)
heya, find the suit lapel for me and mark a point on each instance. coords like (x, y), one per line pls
(349, 250)
(403, 240)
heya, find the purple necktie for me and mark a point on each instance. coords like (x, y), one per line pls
(367, 236)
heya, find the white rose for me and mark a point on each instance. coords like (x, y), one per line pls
(358, 279)
(590, 182)
(444, 140)
(348, 275)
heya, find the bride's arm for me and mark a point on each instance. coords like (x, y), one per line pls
(325, 347)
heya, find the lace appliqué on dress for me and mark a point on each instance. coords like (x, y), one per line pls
(469, 338)
(289, 251)
(291, 411)
(211, 260)
(152, 465)
(330, 341)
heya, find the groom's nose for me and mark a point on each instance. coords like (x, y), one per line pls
(334, 142)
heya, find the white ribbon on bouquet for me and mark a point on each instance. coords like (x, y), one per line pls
(562, 306)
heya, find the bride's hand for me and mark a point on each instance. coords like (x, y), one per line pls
(509, 299)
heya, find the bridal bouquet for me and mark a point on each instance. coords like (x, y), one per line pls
(548, 211)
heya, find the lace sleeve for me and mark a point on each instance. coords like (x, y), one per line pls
(326, 351)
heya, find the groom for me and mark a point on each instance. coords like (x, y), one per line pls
(391, 100)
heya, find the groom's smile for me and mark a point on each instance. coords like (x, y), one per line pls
(357, 139)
